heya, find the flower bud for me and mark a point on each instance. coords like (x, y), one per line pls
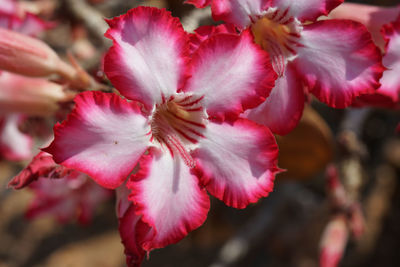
(333, 242)
(31, 96)
(31, 57)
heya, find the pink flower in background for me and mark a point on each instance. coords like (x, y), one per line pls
(373, 17)
(8, 7)
(333, 242)
(30, 96)
(29, 25)
(63, 193)
(347, 220)
(14, 17)
(20, 97)
(29, 56)
(388, 93)
(335, 60)
(384, 25)
(179, 121)
(14, 145)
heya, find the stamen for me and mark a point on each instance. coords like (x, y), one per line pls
(278, 34)
(174, 143)
(178, 124)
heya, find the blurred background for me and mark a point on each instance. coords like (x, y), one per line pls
(284, 229)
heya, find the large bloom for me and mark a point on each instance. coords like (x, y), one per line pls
(179, 122)
(335, 60)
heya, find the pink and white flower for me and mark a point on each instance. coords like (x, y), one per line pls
(333, 241)
(335, 60)
(388, 93)
(20, 97)
(30, 96)
(179, 121)
(30, 24)
(384, 25)
(30, 56)
(373, 17)
(14, 17)
(8, 7)
(63, 193)
(14, 145)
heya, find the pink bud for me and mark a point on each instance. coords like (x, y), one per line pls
(82, 47)
(335, 188)
(333, 242)
(357, 221)
(31, 57)
(31, 96)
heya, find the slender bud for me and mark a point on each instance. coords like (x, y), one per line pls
(31, 96)
(31, 57)
(333, 242)
(336, 191)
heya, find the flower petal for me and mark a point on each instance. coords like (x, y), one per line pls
(237, 162)
(14, 145)
(338, 61)
(41, 165)
(31, 25)
(67, 198)
(199, 3)
(148, 58)
(282, 110)
(130, 227)
(169, 198)
(306, 9)
(104, 136)
(232, 73)
(8, 7)
(390, 82)
(373, 17)
(202, 33)
(238, 12)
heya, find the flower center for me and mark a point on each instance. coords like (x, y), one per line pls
(278, 34)
(177, 124)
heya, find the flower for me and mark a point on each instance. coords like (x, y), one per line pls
(14, 145)
(20, 97)
(30, 96)
(63, 193)
(30, 24)
(384, 25)
(8, 7)
(388, 93)
(373, 17)
(29, 56)
(333, 241)
(14, 16)
(179, 121)
(335, 60)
